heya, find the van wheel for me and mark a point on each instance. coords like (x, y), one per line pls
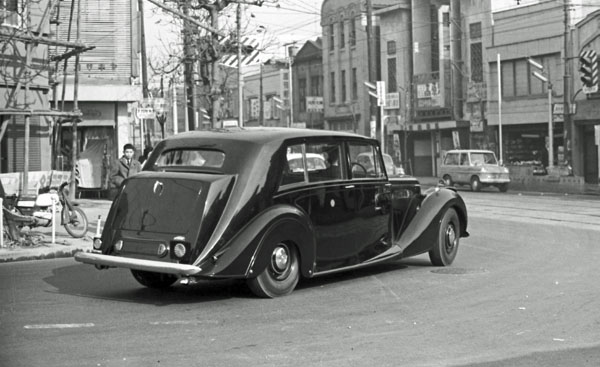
(153, 280)
(281, 275)
(475, 183)
(447, 180)
(445, 249)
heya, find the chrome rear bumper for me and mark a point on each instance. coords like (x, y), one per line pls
(137, 264)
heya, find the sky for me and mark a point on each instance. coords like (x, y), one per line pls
(275, 24)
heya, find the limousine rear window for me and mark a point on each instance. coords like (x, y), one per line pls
(191, 158)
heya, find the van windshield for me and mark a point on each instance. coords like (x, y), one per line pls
(479, 159)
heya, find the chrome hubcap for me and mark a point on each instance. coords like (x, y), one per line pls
(450, 238)
(280, 259)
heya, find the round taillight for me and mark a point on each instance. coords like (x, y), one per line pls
(118, 245)
(97, 243)
(162, 250)
(179, 250)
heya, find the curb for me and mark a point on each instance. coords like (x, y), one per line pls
(44, 256)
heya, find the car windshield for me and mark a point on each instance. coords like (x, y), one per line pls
(479, 159)
(191, 158)
(389, 163)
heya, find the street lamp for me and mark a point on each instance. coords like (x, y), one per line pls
(544, 78)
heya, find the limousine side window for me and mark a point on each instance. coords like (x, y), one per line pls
(323, 162)
(364, 161)
(293, 169)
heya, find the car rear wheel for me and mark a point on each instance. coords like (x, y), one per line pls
(153, 280)
(446, 247)
(503, 187)
(281, 274)
(475, 183)
(447, 180)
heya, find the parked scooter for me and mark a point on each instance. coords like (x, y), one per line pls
(37, 212)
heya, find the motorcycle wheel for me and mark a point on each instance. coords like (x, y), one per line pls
(78, 226)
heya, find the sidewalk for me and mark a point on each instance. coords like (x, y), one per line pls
(65, 245)
(541, 184)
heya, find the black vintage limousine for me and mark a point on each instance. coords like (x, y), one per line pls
(271, 206)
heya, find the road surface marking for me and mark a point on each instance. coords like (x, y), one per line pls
(58, 326)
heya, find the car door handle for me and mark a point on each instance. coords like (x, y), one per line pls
(349, 186)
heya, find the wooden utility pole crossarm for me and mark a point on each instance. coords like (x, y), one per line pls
(187, 18)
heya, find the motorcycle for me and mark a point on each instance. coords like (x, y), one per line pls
(37, 212)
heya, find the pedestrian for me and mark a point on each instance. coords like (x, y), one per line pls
(123, 168)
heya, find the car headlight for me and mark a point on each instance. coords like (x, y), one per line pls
(162, 250)
(97, 243)
(118, 245)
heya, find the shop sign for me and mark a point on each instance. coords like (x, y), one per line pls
(476, 91)
(314, 104)
(143, 113)
(392, 101)
(597, 134)
(476, 119)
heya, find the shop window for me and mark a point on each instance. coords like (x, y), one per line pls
(315, 86)
(475, 30)
(302, 94)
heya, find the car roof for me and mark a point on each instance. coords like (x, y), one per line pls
(261, 135)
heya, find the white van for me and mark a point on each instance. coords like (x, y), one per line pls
(477, 168)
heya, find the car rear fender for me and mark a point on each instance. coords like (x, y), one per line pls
(248, 253)
(421, 233)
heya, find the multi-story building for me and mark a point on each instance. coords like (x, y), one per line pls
(345, 64)
(531, 110)
(24, 86)
(445, 54)
(307, 86)
(109, 84)
(423, 63)
(586, 120)
(270, 84)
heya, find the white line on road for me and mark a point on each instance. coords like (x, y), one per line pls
(58, 326)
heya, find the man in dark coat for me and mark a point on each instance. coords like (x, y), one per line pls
(125, 167)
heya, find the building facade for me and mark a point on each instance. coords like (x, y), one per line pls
(346, 100)
(265, 95)
(307, 87)
(24, 85)
(109, 87)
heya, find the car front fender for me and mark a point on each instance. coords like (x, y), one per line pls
(248, 252)
(422, 231)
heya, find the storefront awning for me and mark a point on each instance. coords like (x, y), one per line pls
(437, 125)
(90, 123)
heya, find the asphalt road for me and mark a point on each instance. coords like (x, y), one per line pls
(523, 291)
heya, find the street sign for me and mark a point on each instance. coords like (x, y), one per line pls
(145, 113)
(392, 101)
(314, 104)
(381, 93)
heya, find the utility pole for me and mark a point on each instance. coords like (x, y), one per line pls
(238, 18)
(190, 85)
(261, 103)
(75, 142)
(215, 91)
(568, 136)
(144, 68)
(371, 59)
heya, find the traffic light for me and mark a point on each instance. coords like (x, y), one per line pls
(588, 68)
